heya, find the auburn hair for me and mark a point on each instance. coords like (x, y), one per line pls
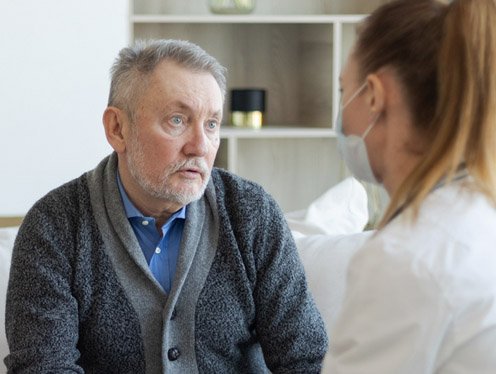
(445, 57)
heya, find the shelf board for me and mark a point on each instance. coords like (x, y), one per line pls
(228, 132)
(303, 19)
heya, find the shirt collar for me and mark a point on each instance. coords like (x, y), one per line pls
(132, 211)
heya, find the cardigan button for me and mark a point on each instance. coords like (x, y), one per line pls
(173, 314)
(173, 354)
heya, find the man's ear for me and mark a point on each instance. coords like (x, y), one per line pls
(375, 98)
(114, 121)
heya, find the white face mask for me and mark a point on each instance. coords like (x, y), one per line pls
(352, 148)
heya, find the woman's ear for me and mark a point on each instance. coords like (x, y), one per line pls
(113, 122)
(375, 95)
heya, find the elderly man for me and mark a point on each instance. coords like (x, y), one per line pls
(156, 262)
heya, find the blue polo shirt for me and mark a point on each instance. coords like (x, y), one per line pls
(161, 248)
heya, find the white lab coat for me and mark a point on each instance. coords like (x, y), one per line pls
(421, 296)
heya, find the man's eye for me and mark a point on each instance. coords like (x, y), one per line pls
(177, 120)
(212, 125)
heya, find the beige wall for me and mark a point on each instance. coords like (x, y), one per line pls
(10, 221)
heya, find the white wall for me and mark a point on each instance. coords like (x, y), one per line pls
(54, 77)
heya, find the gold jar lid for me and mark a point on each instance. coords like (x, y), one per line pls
(252, 119)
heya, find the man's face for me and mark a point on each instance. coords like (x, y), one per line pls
(172, 145)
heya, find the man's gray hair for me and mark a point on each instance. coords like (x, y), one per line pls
(133, 66)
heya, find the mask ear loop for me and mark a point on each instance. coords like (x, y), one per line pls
(357, 92)
(370, 126)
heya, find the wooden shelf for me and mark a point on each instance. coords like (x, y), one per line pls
(292, 49)
(276, 133)
(270, 19)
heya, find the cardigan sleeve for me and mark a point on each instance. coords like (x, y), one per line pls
(41, 313)
(289, 326)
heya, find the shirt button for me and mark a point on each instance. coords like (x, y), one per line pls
(144, 223)
(173, 354)
(158, 250)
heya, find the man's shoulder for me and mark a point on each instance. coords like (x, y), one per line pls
(64, 198)
(228, 182)
(57, 214)
(241, 197)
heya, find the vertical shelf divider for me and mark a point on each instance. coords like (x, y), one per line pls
(337, 45)
(232, 154)
(130, 9)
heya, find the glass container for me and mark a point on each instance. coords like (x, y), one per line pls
(231, 6)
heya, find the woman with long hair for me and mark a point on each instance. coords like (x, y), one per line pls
(418, 115)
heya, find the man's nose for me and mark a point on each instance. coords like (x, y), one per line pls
(197, 141)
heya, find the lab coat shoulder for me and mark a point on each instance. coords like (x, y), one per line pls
(415, 289)
(392, 314)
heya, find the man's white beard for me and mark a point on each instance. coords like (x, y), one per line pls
(162, 189)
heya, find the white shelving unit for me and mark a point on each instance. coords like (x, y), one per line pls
(292, 49)
(233, 135)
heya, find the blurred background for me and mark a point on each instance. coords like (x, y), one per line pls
(54, 72)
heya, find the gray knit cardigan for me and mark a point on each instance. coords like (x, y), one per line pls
(81, 297)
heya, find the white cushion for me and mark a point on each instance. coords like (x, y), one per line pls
(7, 237)
(342, 209)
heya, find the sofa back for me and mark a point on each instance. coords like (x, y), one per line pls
(7, 236)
